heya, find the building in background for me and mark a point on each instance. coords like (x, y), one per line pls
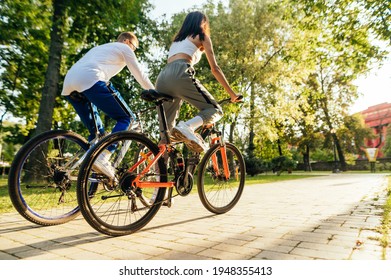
(377, 117)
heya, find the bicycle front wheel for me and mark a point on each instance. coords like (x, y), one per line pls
(109, 197)
(220, 189)
(43, 177)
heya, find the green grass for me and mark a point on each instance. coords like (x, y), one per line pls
(5, 202)
(271, 178)
(384, 228)
(386, 222)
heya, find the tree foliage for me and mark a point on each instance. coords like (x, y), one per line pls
(294, 61)
(26, 55)
(342, 50)
(24, 40)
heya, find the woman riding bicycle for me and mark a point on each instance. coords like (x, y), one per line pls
(177, 79)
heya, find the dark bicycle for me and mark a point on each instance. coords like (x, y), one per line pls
(43, 176)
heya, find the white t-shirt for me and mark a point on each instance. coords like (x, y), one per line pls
(101, 63)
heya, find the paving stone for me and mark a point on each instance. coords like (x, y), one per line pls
(5, 256)
(223, 255)
(321, 254)
(270, 255)
(176, 255)
(318, 218)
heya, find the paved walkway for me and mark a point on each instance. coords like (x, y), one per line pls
(328, 217)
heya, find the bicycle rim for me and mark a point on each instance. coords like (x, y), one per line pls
(110, 202)
(219, 194)
(42, 184)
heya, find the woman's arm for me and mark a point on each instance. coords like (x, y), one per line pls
(216, 70)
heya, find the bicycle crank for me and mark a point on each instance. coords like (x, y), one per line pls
(184, 184)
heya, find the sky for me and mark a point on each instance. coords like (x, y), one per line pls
(375, 88)
(170, 7)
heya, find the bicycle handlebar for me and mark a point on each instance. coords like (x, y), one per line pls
(228, 100)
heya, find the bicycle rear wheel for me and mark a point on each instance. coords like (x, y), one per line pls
(43, 177)
(111, 203)
(218, 193)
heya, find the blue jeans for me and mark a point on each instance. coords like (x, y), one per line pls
(106, 98)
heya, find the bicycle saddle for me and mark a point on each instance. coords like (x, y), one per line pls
(152, 95)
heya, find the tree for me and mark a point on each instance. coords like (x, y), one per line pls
(387, 145)
(353, 133)
(343, 37)
(89, 24)
(52, 76)
(378, 17)
(24, 39)
(29, 50)
(249, 50)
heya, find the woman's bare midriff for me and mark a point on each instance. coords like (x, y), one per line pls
(179, 56)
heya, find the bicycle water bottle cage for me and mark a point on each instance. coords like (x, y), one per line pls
(152, 95)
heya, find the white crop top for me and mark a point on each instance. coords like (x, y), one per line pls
(187, 47)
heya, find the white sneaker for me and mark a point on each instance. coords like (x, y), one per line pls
(184, 133)
(102, 165)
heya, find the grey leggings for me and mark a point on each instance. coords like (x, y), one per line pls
(177, 79)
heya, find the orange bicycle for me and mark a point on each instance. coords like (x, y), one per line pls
(146, 175)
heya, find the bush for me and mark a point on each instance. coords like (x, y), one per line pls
(255, 166)
(282, 163)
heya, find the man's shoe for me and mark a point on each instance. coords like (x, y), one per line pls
(103, 165)
(193, 141)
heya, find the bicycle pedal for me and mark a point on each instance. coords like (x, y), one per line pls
(168, 203)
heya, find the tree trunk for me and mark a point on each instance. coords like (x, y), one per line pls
(338, 147)
(49, 92)
(306, 159)
(279, 148)
(341, 156)
(52, 76)
(231, 132)
(251, 145)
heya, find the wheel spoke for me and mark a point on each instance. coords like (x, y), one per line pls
(118, 207)
(41, 188)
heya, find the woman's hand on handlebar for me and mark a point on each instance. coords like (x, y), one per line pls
(236, 98)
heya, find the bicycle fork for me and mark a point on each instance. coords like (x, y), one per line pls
(224, 159)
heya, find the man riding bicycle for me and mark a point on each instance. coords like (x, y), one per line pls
(88, 81)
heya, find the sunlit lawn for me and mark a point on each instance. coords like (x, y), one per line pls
(5, 202)
(270, 177)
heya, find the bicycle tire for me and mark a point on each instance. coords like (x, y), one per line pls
(217, 194)
(115, 207)
(40, 187)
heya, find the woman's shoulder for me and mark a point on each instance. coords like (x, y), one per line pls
(195, 40)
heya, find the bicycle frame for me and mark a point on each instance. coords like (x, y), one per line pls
(163, 148)
(158, 99)
(135, 125)
(137, 181)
